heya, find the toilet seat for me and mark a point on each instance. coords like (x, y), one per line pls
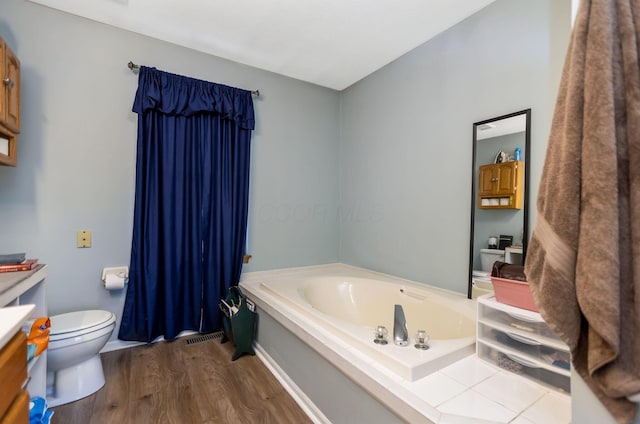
(493, 251)
(73, 324)
(481, 275)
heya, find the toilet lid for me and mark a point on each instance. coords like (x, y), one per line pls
(81, 320)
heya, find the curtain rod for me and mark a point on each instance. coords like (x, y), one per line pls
(133, 67)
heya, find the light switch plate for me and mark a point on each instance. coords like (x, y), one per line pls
(84, 238)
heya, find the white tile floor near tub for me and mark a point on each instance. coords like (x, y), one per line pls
(472, 391)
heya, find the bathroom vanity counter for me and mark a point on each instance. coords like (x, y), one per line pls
(11, 320)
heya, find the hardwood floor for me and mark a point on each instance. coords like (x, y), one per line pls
(176, 382)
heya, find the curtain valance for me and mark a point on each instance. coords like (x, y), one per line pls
(179, 95)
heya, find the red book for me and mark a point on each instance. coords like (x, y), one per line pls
(27, 265)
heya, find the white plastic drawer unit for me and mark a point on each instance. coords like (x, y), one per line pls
(520, 341)
(510, 318)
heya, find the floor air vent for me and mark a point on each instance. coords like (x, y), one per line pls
(205, 338)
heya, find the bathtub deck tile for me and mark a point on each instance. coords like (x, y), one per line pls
(522, 420)
(435, 388)
(553, 408)
(387, 370)
(472, 404)
(415, 400)
(511, 391)
(469, 371)
(456, 419)
(359, 359)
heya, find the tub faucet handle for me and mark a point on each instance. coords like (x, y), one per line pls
(422, 340)
(400, 332)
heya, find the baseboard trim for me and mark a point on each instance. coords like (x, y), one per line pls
(119, 344)
(291, 387)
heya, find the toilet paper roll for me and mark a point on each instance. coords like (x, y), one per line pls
(114, 282)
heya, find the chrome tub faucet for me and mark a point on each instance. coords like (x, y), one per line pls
(400, 332)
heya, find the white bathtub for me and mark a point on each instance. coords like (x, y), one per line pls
(349, 302)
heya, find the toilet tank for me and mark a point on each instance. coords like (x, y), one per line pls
(489, 256)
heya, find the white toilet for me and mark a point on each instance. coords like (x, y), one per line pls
(74, 368)
(487, 258)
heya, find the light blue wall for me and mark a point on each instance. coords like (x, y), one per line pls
(76, 163)
(407, 133)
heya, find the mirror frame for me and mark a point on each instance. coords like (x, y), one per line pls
(526, 199)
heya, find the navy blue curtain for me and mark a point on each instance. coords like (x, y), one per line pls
(191, 203)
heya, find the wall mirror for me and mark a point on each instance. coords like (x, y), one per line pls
(499, 196)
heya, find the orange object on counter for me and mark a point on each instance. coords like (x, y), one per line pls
(39, 334)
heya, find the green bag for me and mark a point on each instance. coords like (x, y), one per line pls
(239, 322)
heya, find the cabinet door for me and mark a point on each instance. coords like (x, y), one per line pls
(13, 370)
(506, 178)
(3, 77)
(486, 180)
(19, 411)
(11, 82)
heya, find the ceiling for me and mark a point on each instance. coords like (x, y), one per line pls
(332, 43)
(514, 124)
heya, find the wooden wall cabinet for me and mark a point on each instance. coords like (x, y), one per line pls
(500, 185)
(9, 104)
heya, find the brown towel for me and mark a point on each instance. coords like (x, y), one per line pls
(583, 262)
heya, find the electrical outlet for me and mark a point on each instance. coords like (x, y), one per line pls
(84, 238)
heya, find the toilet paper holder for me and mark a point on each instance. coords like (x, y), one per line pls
(120, 271)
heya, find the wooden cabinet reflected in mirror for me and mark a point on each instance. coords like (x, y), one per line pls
(9, 104)
(500, 185)
(499, 196)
